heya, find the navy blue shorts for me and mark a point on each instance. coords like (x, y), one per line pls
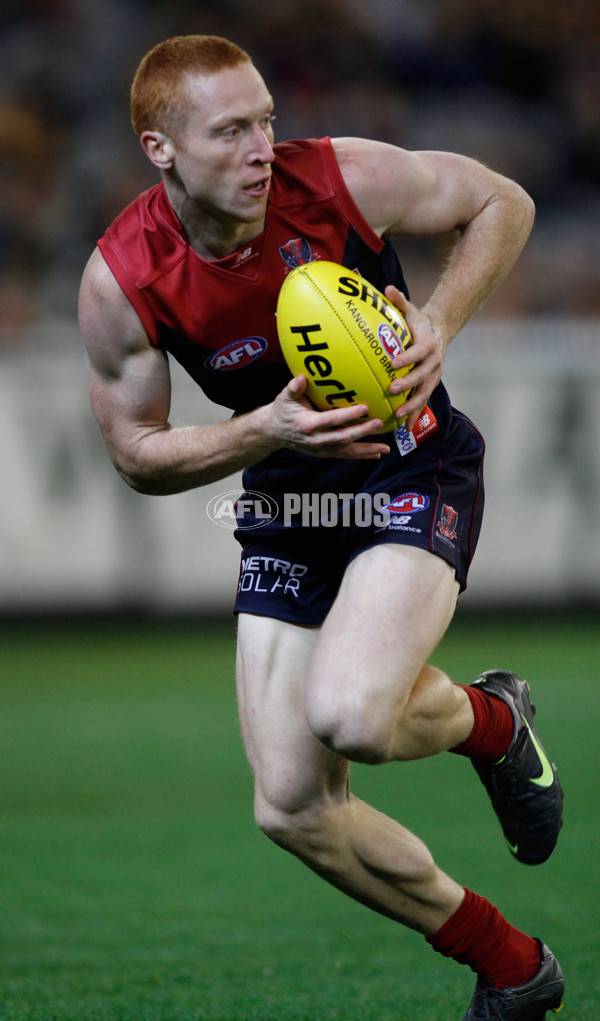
(302, 520)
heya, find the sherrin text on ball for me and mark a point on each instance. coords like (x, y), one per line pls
(341, 333)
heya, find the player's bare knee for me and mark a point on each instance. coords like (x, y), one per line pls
(306, 833)
(359, 730)
(273, 822)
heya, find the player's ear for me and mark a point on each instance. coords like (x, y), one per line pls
(158, 148)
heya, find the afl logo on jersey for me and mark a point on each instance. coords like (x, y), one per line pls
(237, 355)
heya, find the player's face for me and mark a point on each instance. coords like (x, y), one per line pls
(223, 157)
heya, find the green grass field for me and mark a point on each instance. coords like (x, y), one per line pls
(135, 886)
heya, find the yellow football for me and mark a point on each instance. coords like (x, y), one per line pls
(340, 332)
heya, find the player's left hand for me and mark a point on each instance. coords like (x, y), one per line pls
(426, 354)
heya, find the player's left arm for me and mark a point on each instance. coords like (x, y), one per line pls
(428, 193)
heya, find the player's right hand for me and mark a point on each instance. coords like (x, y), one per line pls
(340, 432)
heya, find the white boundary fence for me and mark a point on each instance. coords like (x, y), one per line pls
(74, 537)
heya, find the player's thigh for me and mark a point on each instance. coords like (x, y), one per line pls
(393, 607)
(293, 770)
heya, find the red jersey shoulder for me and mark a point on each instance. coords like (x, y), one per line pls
(214, 304)
(300, 173)
(144, 237)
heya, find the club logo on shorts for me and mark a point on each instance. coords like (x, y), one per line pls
(296, 252)
(237, 355)
(446, 525)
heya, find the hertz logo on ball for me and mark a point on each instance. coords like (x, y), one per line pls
(340, 332)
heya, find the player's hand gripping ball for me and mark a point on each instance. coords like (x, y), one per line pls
(340, 332)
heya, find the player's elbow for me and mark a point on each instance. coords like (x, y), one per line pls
(141, 483)
(148, 483)
(139, 475)
(136, 480)
(522, 205)
(139, 463)
(528, 206)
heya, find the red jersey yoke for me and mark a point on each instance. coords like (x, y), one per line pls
(217, 318)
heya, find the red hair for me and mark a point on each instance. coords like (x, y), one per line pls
(159, 97)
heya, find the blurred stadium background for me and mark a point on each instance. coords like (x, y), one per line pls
(515, 83)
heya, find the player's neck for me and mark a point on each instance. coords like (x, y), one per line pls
(213, 237)
(211, 245)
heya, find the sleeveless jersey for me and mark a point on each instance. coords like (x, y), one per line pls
(217, 318)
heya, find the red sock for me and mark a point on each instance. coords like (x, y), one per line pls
(493, 729)
(477, 935)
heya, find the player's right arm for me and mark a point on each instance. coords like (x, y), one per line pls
(130, 392)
